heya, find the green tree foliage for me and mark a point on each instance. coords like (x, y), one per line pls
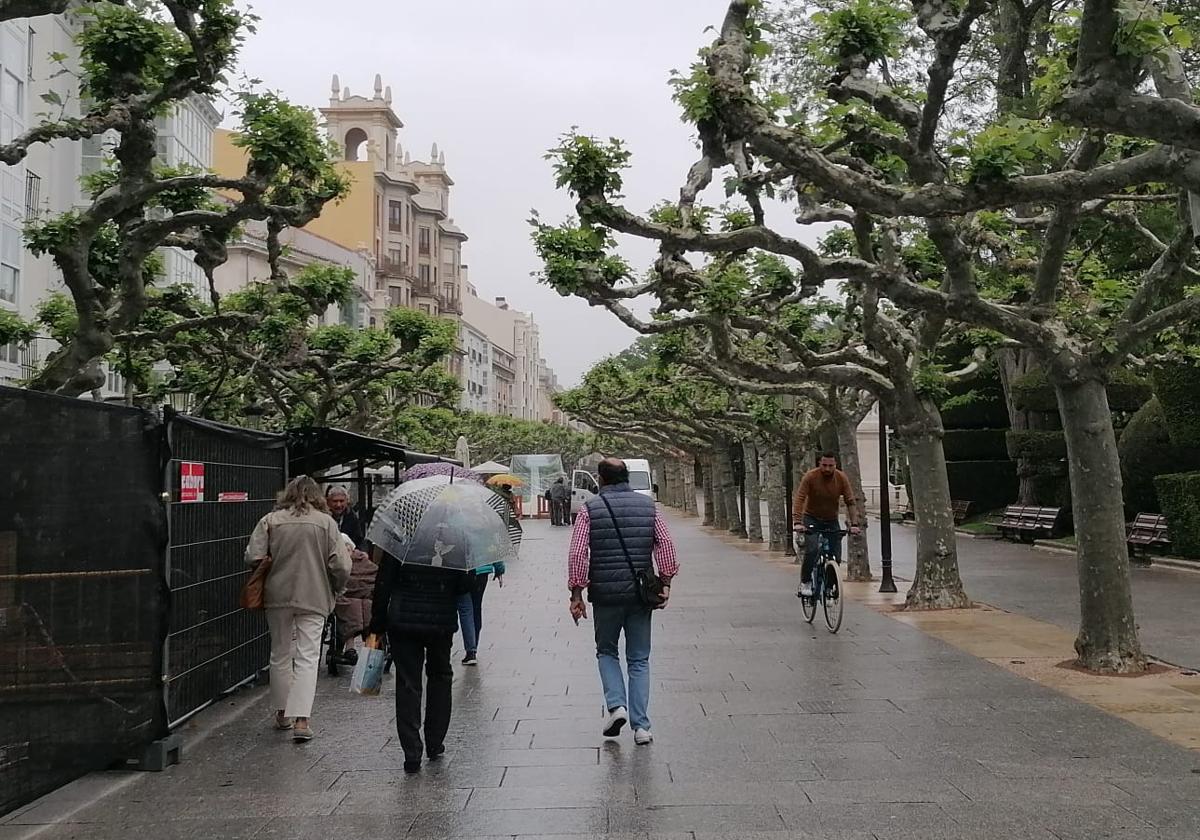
(139, 60)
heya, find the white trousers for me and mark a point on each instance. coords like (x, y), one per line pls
(295, 655)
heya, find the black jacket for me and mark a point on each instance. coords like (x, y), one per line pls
(351, 527)
(416, 599)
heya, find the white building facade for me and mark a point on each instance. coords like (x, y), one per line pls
(15, 72)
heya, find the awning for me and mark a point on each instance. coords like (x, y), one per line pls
(315, 448)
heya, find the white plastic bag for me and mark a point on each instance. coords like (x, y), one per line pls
(368, 671)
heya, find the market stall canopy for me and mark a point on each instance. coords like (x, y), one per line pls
(315, 448)
(490, 468)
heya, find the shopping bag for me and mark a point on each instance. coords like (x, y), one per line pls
(368, 671)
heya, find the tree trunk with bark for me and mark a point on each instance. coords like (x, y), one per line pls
(777, 528)
(729, 489)
(858, 564)
(754, 530)
(1012, 365)
(687, 476)
(712, 498)
(937, 584)
(1108, 639)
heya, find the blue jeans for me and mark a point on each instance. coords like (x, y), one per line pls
(470, 614)
(635, 621)
(812, 543)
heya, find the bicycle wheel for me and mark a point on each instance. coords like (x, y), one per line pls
(809, 605)
(832, 597)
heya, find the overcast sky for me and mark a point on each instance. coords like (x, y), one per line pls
(494, 83)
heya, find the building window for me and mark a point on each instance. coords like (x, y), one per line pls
(394, 258)
(423, 242)
(423, 274)
(10, 263)
(396, 215)
(33, 194)
(12, 94)
(395, 296)
(424, 307)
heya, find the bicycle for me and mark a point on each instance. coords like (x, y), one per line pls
(827, 584)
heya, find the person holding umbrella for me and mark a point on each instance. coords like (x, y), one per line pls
(428, 534)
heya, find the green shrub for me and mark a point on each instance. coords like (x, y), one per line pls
(986, 484)
(975, 445)
(1146, 452)
(1178, 389)
(1036, 445)
(1179, 496)
(1126, 392)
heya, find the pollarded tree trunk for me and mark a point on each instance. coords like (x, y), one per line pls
(710, 494)
(687, 470)
(1012, 365)
(753, 493)
(858, 564)
(720, 512)
(729, 489)
(1108, 639)
(937, 585)
(777, 527)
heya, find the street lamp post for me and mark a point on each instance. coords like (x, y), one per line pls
(888, 584)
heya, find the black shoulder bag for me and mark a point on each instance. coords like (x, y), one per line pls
(648, 584)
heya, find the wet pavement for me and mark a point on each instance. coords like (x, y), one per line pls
(766, 728)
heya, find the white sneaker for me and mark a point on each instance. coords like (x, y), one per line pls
(616, 719)
(643, 737)
(806, 590)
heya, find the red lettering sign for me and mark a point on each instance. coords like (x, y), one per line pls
(191, 481)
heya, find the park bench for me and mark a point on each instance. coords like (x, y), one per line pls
(1147, 531)
(961, 511)
(1027, 522)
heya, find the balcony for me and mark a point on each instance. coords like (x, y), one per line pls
(450, 304)
(392, 268)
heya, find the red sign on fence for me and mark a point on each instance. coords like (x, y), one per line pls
(230, 496)
(191, 481)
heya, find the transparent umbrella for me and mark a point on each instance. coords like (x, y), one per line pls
(433, 522)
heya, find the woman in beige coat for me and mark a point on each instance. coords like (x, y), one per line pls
(310, 568)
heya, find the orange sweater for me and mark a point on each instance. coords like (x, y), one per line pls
(818, 495)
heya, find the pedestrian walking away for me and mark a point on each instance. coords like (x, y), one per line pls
(470, 609)
(620, 536)
(560, 503)
(310, 567)
(815, 512)
(427, 536)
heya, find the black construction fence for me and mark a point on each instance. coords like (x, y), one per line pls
(122, 534)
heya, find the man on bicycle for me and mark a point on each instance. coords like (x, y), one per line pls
(815, 512)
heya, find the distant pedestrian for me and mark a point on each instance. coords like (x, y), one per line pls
(470, 609)
(417, 606)
(353, 608)
(560, 503)
(615, 530)
(310, 567)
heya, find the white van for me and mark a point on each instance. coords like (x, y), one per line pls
(640, 480)
(584, 485)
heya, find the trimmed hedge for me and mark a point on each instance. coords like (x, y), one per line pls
(975, 445)
(986, 484)
(986, 410)
(1146, 452)
(1179, 495)
(1036, 445)
(1178, 389)
(1126, 392)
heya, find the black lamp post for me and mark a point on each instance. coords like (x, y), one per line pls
(254, 415)
(888, 584)
(181, 401)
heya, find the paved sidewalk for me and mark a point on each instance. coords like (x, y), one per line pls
(767, 729)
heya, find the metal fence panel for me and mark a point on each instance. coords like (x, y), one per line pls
(221, 480)
(82, 598)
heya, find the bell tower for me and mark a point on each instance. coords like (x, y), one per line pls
(364, 128)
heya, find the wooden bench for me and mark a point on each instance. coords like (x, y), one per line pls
(1027, 522)
(1147, 531)
(961, 511)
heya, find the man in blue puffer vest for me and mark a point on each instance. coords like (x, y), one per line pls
(598, 562)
